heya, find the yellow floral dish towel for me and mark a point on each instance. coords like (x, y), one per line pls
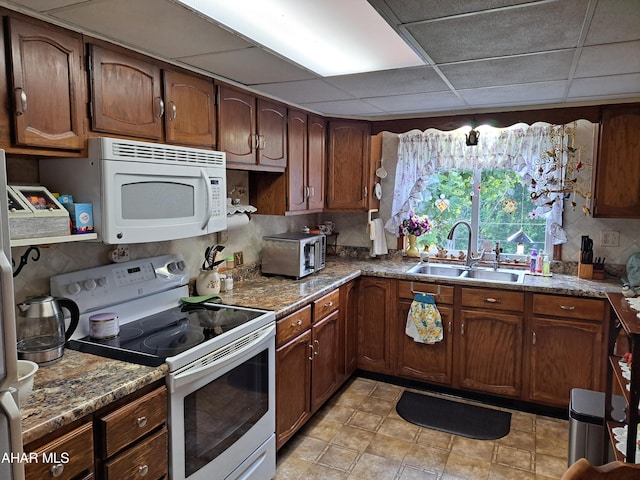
(424, 323)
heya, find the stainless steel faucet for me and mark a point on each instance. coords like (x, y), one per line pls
(470, 261)
(496, 262)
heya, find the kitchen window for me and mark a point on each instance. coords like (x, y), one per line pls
(513, 179)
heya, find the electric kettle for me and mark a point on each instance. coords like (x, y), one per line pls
(41, 328)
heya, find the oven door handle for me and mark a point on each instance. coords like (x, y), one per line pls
(227, 354)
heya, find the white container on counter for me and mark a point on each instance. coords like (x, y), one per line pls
(104, 325)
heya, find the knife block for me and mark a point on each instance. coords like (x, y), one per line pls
(585, 270)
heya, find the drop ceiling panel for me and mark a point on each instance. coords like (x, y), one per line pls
(546, 26)
(510, 70)
(46, 5)
(613, 86)
(249, 66)
(305, 91)
(417, 102)
(517, 94)
(614, 21)
(390, 82)
(156, 26)
(344, 107)
(601, 60)
(412, 10)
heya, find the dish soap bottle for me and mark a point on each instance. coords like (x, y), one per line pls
(533, 261)
(546, 266)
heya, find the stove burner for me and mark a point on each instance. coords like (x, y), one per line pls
(172, 342)
(219, 320)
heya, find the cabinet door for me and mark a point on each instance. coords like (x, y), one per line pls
(190, 104)
(272, 134)
(293, 378)
(565, 354)
(297, 168)
(431, 363)
(617, 171)
(348, 166)
(48, 86)
(317, 155)
(237, 125)
(490, 352)
(324, 366)
(126, 95)
(376, 309)
(349, 317)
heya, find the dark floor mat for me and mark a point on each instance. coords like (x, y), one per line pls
(453, 417)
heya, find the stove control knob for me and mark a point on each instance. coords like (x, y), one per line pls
(89, 284)
(181, 266)
(73, 288)
(173, 267)
(102, 281)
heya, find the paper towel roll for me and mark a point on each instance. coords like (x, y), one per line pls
(237, 220)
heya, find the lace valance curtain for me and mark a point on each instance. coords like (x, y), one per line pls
(521, 148)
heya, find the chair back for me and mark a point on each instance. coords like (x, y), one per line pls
(583, 470)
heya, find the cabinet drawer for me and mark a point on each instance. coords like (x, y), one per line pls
(149, 459)
(566, 306)
(75, 448)
(291, 325)
(494, 299)
(325, 305)
(405, 290)
(126, 424)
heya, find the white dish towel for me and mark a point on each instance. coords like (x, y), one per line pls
(376, 234)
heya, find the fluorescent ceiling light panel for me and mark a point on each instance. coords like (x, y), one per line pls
(328, 37)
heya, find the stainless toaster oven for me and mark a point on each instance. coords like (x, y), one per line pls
(293, 254)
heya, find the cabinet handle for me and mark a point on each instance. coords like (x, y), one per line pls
(316, 351)
(534, 338)
(21, 99)
(306, 192)
(298, 323)
(366, 191)
(310, 352)
(567, 307)
(141, 421)
(449, 327)
(313, 191)
(491, 300)
(174, 111)
(159, 107)
(462, 329)
(256, 141)
(262, 141)
(328, 304)
(143, 470)
(57, 469)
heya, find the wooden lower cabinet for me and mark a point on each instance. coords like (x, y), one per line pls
(567, 347)
(490, 352)
(375, 315)
(429, 363)
(309, 347)
(349, 298)
(67, 457)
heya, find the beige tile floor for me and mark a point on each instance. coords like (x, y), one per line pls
(359, 435)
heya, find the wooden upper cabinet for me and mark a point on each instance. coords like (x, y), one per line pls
(316, 160)
(272, 134)
(48, 85)
(297, 171)
(126, 95)
(252, 131)
(190, 109)
(348, 166)
(616, 174)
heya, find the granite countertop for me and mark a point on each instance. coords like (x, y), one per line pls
(80, 383)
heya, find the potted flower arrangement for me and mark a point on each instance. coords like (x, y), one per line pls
(413, 227)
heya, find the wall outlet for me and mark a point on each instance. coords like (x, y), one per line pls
(609, 238)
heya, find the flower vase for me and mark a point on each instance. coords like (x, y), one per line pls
(412, 250)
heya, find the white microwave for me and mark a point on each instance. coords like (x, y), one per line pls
(144, 192)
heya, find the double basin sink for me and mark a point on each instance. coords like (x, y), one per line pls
(480, 274)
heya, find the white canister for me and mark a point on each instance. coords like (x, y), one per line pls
(208, 282)
(104, 325)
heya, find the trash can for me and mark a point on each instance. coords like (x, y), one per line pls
(586, 423)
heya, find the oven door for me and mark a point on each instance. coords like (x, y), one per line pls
(160, 201)
(222, 412)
